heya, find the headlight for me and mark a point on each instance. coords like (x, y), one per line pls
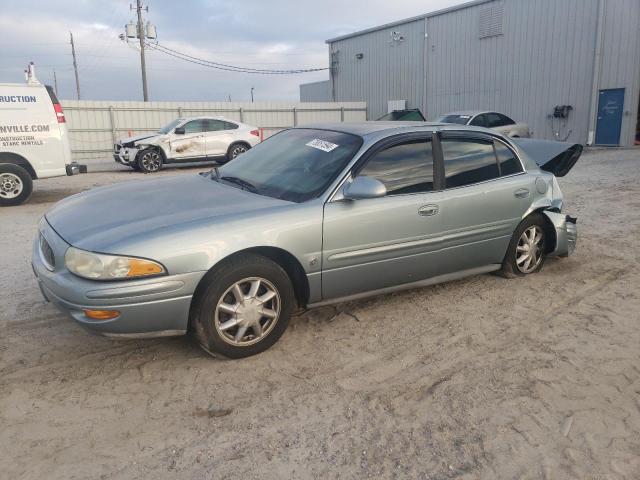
(98, 266)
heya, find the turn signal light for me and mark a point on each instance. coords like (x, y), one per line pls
(101, 314)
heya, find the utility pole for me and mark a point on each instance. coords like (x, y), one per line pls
(141, 36)
(55, 83)
(252, 94)
(75, 65)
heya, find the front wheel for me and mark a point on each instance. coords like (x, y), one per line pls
(149, 160)
(527, 249)
(244, 308)
(15, 185)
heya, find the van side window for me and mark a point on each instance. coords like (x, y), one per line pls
(468, 161)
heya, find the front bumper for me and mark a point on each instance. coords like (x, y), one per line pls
(75, 168)
(566, 233)
(148, 307)
(125, 155)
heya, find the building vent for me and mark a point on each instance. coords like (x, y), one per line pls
(491, 17)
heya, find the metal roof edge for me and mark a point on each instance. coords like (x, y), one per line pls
(435, 13)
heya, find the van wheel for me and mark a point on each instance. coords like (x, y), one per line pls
(527, 249)
(244, 307)
(15, 185)
(149, 160)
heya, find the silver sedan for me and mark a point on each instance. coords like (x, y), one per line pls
(312, 216)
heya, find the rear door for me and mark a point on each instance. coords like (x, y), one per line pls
(190, 145)
(487, 192)
(220, 134)
(375, 243)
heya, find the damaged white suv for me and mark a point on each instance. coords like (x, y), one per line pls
(187, 140)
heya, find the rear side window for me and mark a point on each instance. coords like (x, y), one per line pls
(468, 161)
(404, 168)
(509, 163)
(230, 126)
(495, 120)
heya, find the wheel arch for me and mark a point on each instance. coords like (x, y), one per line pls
(238, 142)
(146, 146)
(19, 160)
(549, 227)
(283, 258)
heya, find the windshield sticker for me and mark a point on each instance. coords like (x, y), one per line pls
(322, 145)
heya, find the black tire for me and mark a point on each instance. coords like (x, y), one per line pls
(135, 166)
(16, 185)
(217, 287)
(236, 149)
(510, 267)
(149, 160)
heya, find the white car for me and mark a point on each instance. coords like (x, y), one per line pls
(187, 140)
(34, 141)
(494, 120)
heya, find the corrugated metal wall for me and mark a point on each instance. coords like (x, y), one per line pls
(94, 126)
(545, 58)
(621, 59)
(315, 92)
(389, 69)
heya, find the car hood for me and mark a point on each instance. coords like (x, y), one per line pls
(554, 157)
(104, 218)
(137, 138)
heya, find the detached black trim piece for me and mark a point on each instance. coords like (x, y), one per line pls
(75, 168)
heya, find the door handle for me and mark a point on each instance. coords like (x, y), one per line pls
(428, 210)
(521, 193)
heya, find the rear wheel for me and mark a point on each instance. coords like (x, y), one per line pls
(527, 249)
(237, 149)
(149, 160)
(244, 308)
(15, 185)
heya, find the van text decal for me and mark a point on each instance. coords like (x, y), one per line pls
(18, 98)
(23, 128)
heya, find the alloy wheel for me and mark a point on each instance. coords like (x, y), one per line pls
(10, 186)
(151, 161)
(237, 150)
(247, 311)
(529, 251)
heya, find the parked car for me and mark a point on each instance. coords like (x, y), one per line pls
(406, 115)
(34, 142)
(312, 216)
(494, 120)
(187, 140)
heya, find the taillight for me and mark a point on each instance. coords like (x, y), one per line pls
(59, 113)
(255, 132)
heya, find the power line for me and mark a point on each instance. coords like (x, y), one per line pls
(227, 67)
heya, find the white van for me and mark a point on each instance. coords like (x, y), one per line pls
(34, 142)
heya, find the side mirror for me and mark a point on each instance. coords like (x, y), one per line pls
(179, 131)
(364, 187)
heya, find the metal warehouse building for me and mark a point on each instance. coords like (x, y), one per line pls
(519, 57)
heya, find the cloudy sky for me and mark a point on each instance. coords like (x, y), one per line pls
(278, 34)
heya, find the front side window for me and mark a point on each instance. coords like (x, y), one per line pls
(509, 163)
(195, 126)
(404, 168)
(468, 161)
(295, 165)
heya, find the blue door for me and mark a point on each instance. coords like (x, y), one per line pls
(610, 108)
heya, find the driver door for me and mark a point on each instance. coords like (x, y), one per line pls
(375, 243)
(192, 144)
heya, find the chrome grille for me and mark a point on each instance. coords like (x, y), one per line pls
(46, 254)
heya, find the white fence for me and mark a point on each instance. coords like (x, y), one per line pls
(94, 126)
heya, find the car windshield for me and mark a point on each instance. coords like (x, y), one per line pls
(295, 165)
(167, 128)
(459, 119)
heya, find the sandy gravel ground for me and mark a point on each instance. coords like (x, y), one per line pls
(537, 378)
